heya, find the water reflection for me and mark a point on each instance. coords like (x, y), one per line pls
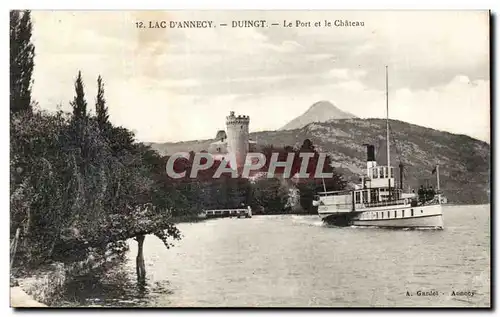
(115, 288)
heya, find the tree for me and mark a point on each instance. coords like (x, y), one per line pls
(72, 200)
(270, 196)
(79, 126)
(307, 191)
(308, 187)
(79, 104)
(100, 105)
(307, 146)
(22, 53)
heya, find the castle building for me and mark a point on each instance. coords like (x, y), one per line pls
(235, 141)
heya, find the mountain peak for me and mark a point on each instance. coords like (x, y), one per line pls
(320, 111)
(322, 104)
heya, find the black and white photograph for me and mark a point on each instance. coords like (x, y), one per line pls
(250, 159)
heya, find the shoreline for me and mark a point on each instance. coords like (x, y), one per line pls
(20, 299)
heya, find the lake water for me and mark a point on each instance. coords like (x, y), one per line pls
(296, 261)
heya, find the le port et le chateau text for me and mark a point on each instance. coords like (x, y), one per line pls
(206, 24)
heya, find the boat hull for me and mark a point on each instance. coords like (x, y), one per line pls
(432, 221)
(427, 216)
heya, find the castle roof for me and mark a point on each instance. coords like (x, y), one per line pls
(221, 134)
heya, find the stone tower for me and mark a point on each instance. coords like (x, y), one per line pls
(237, 137)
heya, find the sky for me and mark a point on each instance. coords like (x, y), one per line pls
(180, 84)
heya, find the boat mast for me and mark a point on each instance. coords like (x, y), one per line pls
(387, 119)
(437, 177)
(387, 131)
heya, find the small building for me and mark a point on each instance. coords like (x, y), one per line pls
(220, 145)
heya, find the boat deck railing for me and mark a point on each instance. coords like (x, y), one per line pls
(388, 203)
(336, 207)
(334, 193)
(348, 207)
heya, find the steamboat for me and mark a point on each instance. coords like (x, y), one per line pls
(378, 201)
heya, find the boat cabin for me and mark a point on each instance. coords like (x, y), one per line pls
(377, 188)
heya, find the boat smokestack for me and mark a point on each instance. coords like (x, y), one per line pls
(370, 153)
(370, 159)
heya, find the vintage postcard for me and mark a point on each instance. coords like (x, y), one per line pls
(250, 159)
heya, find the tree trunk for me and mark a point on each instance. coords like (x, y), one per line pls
(25, 237)
(140, 267)
(13, 248)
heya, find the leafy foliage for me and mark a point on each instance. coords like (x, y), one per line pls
(266, 195)
(270, 196)
(76, 188)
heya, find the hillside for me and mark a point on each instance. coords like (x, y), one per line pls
(464, 161)
(321, 111)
